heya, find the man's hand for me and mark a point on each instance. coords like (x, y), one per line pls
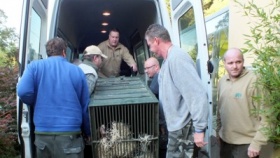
(252, 152)
(198, 140)
(88, 140)
(134, 67)
(218, 139)
(162, 130)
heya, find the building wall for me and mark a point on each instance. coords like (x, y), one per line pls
(240, 25)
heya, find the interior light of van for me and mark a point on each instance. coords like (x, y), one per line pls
(104, 24)
(103, 31)
(106, 13)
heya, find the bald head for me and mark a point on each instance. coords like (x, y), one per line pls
(151, 66)
(234, 61)
(152, 61)
(233, 52)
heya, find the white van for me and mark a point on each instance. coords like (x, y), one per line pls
(82, 23)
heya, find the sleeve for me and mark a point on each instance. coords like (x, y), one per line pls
(154, 85)
(219, 123)
(91, 81)
(26, 88)
(85, 100)
(127, 57)
(260, 137)
(193, 93)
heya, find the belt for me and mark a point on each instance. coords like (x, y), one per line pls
(70, 135)
(62, 135)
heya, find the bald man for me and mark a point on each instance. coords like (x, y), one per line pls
(152, 69)
(238, 128)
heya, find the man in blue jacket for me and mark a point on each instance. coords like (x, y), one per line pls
(58, 92)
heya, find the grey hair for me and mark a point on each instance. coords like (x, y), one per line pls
(156, 30)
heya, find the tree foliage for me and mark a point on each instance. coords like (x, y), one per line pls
(209, 6)
(8, 125)
(212, 6)
(8, 79)
(8, 40)
(8, 35)
(264, 42)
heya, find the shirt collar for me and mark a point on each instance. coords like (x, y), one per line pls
(243, 73)
(117, 47)
(90, 64)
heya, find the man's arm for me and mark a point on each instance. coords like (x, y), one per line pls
(193, 92)
(91, 81)
(25, 87)
(127, 57)
(260, 138)
(218, 119)
(84, 101)
(194, 95)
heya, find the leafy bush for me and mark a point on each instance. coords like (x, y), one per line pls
(8, 128)
(8, 78)
(264, 42)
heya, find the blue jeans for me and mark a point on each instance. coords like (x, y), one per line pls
(54, 146)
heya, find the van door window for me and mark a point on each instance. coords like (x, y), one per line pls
(34, 41)
(140, 57)
(69, 54)
(187, 33)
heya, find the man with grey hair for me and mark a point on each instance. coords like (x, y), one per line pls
(91, 62)
(181, 94)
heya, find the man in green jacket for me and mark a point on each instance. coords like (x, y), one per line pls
(116, 52)
(239, 129)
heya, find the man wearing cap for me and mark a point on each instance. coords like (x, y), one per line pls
(91, 62)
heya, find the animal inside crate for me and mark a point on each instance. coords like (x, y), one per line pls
(124, 119)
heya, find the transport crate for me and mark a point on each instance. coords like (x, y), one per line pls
(124, 119)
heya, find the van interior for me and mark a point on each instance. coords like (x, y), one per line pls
(83, 24)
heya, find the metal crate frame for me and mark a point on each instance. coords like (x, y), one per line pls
(127, 101)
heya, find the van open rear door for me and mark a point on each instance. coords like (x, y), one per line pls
(32, 39)
(188, 32)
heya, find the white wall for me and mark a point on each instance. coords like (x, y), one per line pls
(240, 25)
